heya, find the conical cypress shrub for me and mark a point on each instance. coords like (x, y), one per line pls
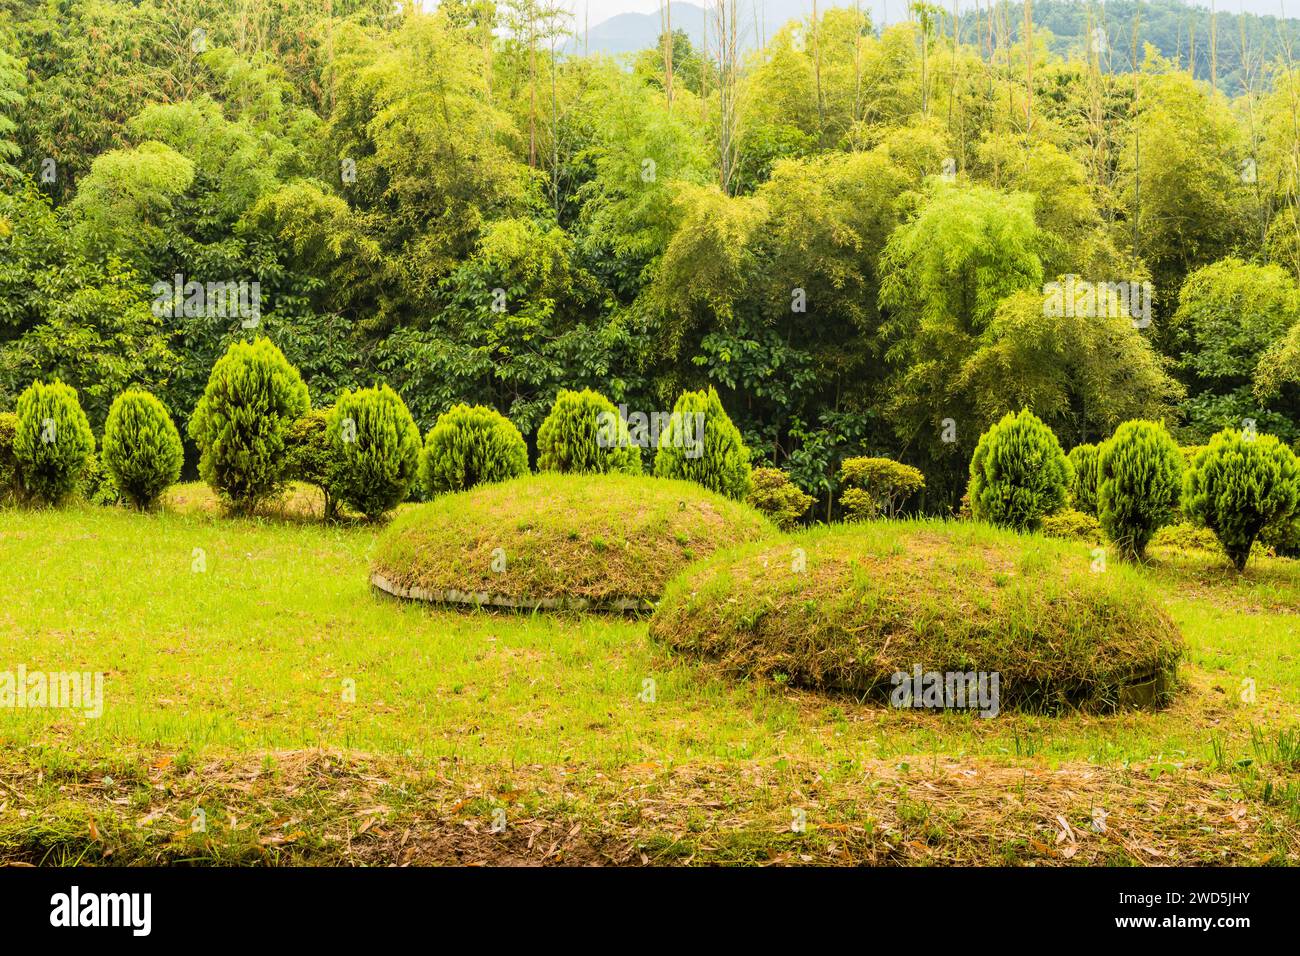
(252, 399)
(584, 434)
(8, 464)
(471, 445)
(1139, 476)
(52, 443)
(1018, 473)
(375, 450)
(142, 448)
(1238, 485)
(701, 444)
(1083, 486)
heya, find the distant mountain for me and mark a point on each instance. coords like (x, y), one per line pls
(632, 32)
(1169, 25)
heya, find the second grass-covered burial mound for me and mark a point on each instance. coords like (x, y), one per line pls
(605, 542)
(874, 609)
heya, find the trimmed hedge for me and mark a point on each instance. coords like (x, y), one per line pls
(375, 450)
(773, 493)
(9, 487)
(1083, 484)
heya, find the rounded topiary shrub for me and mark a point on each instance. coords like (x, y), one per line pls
(1238, 485)
(840, 607)
(876, 486)
(242, 422)
(1083, 484)
(142, 448)
(8, 463)
(585, 434)
(471, 445)
(1139, 476)
(309, 455)
(52, 442)
(375, 450)
(602, 542)
(1018, 473)
(701, 444)
(773, 493)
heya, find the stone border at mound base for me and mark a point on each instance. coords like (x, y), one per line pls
(622, 605)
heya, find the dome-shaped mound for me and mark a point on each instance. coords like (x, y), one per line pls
(606, 542)
(853, 607)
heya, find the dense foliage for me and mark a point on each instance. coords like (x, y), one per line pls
(309, 456)
(1018, 474)
(877, 486)
(142, 448)
(850, 239)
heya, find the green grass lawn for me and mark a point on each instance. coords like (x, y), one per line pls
(230, 649)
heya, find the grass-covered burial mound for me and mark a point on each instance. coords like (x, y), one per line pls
(847, 608)
(606, 542)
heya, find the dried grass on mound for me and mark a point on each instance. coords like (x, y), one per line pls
(605, 542)
(883, 597)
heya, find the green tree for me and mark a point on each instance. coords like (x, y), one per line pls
(585, 434)
(701, 444)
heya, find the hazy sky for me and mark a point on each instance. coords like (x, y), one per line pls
(599, 10)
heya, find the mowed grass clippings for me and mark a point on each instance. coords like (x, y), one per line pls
(322, 807)
(844, 608)
(214, 677)
(552, 537)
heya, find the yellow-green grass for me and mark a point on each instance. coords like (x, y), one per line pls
(225, 689)
(559, 540)
(846, 607)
